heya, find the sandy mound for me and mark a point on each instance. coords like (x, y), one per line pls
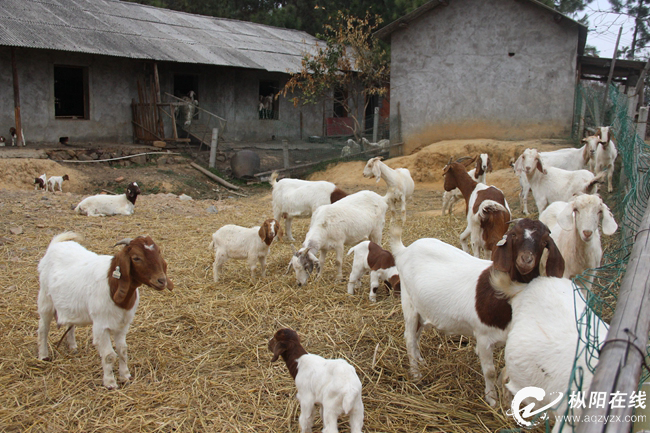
(426, 165)
(19, 174)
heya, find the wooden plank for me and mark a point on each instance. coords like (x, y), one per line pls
(214, 177)
(622, 356)
(19, 125)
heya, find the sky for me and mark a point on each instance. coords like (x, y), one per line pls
(604, 27)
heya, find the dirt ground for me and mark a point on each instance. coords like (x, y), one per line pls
(198, 354)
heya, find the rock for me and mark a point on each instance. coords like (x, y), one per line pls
(93, 156)
(221, 158)
(184, 197)
(16, 230)
(140, 160)
(45, 198)
(84, 157)
(40, 226)
(212, 209)
(159, 143)
(119, 179)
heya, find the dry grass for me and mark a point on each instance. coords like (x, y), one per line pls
(198, 355)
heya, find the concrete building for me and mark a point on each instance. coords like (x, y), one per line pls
(81, 63)
(491, 69)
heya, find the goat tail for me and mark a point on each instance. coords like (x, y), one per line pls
(488, 206)
(591, 187)
(396, 245)
(349, 399)
(352, 249)
(274, 178)
(66, 236)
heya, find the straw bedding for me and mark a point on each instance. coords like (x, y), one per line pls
(198, 355)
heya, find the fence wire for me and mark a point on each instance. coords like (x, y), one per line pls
(599, 287)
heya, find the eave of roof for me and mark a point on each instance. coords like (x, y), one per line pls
(385, 32)
(131, 30)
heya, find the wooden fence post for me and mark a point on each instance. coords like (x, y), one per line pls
(213, 147)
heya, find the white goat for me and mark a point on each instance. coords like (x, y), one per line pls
(351, 148)
(188, 109)
(570, 159)
(296, 198)
(541, 345)
(331, 383)
(352, 219)
(381, 144)
(56, 180)
(370, 257)
(235, 242)
(103, 205)
(574, 227)
(478, 173)
(399, 181)
(79, 287)
(605, 156)
(551, 184)
(449, 289)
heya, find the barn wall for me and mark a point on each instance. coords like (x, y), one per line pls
(111, 86)
(228, 92)
(233, 94)
(453, 77)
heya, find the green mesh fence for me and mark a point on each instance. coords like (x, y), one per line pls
(599, 287)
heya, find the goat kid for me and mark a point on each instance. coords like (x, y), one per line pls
(352, 219)
(447, 288)
(40, 182)
(104, 205)
(570, 159)
(399, 181)
(574, 227)
(478, 173)
(550, 184)
(296, 198)
(370, 257)
(235, 242)
(331, 383)
(56, 180)
(487, 210)
(79, 287)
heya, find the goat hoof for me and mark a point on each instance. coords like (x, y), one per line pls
(46, 359)
(110, 384)
(125, 377)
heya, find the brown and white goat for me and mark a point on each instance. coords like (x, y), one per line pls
(370, 257)
(331, 383)
(253, 244)
(447, 288)
(478, 173)
(79, 287)
(487, 210)
(40, 182)
(53, 181)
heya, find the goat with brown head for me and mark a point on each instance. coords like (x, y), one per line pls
(269, 230)
(138, 263)
(520, 251)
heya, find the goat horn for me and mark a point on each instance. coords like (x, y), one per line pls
(515, 221)
(462, 159)
(124, 241)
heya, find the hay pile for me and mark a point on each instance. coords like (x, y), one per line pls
(19, 174)
(198, 355)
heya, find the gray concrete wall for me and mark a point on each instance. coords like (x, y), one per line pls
(227, 92)
(111, 83)
(453, 77)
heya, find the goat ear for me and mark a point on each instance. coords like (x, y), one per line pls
(555, 262)
(585, 152)
(119, 280)
(376, 170)
(519, 164)
(278, 349)
(540, 166)
(502, 255)
(565, 218)
(263, 231)
(279, 232)
(489, 165)
(170, 283)
(609, 223)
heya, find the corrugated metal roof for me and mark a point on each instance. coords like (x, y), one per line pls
(122, 29)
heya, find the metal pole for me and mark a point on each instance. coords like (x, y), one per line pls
(213, 147)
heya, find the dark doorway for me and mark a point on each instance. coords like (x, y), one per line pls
(71, 92)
